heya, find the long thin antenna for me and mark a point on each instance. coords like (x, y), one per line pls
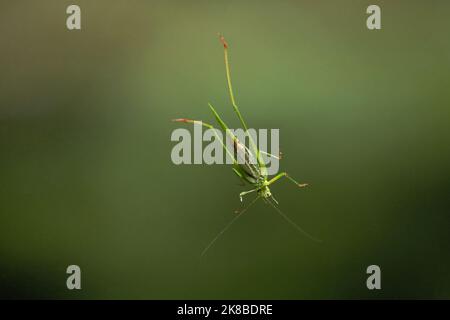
(293, 223)
(228, 225)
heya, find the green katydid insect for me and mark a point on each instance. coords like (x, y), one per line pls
(252, 172)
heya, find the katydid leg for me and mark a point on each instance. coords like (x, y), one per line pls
(284, 174)
(246, 192)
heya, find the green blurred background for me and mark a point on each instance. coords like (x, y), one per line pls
(85, 169)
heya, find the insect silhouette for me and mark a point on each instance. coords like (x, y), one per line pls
(248, 164)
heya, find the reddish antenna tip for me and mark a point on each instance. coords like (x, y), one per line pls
(180, 120)
(224, 42)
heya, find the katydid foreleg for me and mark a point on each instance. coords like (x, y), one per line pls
(284, 174)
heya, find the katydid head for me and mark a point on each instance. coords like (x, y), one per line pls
(264, 192)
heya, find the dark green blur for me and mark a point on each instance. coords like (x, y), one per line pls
(86, 176)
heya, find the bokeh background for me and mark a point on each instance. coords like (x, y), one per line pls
(85, 170)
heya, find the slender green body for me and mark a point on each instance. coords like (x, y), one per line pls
(251, 172)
